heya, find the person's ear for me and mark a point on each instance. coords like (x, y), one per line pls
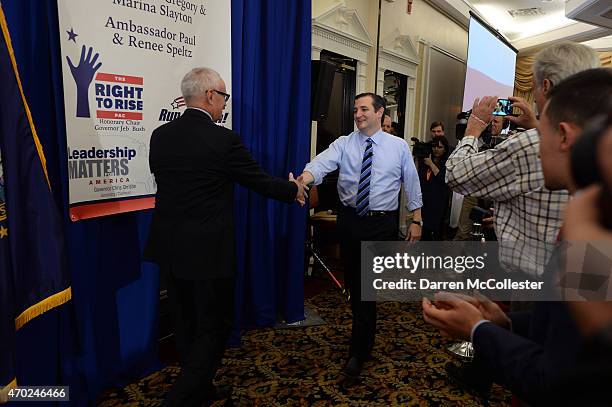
(208, 95)
(546, 86)
(568, 132)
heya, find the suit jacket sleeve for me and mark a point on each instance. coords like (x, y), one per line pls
(521, 322)
(528, 367)
(245, 170)
(514, 361)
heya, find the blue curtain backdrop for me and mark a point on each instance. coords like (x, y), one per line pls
(271, 90)
(108, 335)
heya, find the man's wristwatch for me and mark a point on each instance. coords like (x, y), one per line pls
(418, 222)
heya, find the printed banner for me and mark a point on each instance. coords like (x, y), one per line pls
(123, 61)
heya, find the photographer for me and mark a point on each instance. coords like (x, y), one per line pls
(532, 355)
(527, 215)
(431, 169)
(465, 229)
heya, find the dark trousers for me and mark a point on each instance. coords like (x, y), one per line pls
(351, 231)
(203, 313)
(430, 235)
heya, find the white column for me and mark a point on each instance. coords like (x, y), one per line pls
(315, 53)
(313, 139)
(380, 81)
(409, 114)
(424, 91)
(361, 77)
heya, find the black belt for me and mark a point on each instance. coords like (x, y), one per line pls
(373, 214)
(376, 214)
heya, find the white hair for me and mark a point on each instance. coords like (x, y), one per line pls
(562, 60)
(199, 80)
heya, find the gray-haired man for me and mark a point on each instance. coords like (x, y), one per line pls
(527, 215)
(196, 165)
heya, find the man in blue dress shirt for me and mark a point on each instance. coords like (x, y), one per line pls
(373, 166)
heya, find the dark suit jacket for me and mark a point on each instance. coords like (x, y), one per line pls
(589, 383)
(196, 163)
(544, 346)
(530, 363)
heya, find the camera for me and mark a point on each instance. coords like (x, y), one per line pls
(486, 137)
(421, 149)
(503, 108)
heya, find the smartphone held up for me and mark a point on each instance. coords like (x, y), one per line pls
(503, 108)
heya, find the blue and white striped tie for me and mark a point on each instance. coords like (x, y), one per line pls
(362, 204)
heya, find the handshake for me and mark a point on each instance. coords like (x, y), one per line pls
(302, 183)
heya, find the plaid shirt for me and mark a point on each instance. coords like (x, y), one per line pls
(528, 217)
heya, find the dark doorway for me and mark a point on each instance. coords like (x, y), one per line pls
(339, 121)
(395, 95)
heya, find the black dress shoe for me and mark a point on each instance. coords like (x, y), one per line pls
(351, 372)
(353, 367)
(470, 379)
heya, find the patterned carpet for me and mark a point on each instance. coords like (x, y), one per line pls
(300, 366)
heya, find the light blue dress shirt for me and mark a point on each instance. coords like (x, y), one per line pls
(392, 164)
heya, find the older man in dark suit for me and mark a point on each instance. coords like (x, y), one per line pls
(196, 164)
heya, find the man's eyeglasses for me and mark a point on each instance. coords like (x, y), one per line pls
(226, 96)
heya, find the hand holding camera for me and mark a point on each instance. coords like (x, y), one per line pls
(482, 114)
(526, 119)
(421, 149)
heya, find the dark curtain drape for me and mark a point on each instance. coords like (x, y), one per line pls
(108, 334)
(271, 91)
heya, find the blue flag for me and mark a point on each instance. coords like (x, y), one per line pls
(33, 268)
